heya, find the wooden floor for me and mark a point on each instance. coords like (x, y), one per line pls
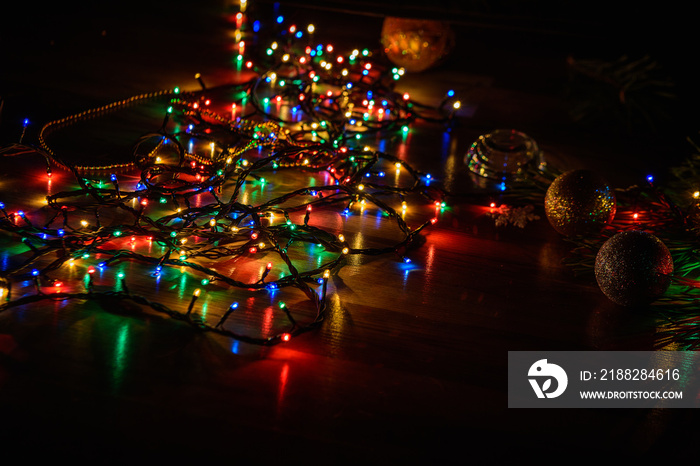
(411, 362)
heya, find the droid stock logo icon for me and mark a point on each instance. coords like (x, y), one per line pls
(542, 373)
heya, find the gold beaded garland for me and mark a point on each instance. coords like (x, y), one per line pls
(54, 125)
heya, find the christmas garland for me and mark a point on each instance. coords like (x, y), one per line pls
(297, 115)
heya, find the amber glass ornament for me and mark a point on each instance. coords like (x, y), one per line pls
(416, 44)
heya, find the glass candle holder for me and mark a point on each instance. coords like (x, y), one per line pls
(503, 155)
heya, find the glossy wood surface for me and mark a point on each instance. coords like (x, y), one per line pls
(411, 362)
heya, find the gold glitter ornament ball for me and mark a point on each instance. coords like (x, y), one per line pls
(633, 268)
(579, 202)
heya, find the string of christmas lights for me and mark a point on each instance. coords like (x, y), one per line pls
(305, 113)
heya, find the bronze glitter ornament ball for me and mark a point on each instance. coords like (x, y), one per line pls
(579, 202)
(633, 268)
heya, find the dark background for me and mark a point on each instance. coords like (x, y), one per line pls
(83, 41)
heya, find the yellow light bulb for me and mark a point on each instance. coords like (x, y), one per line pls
(346, 250)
